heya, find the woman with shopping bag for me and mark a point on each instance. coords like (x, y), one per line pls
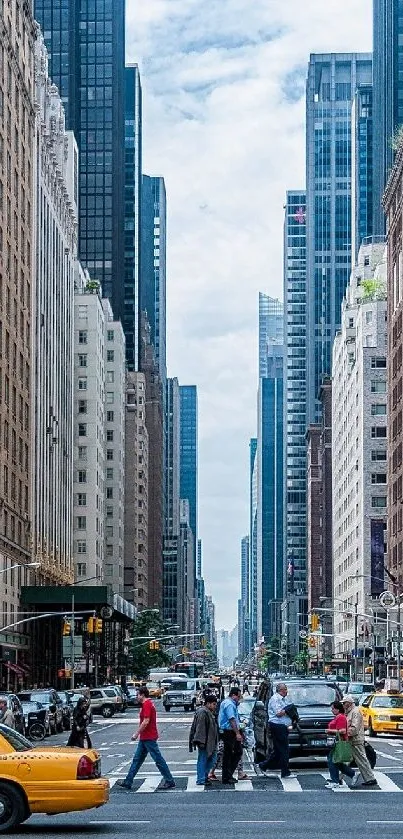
(341, 753)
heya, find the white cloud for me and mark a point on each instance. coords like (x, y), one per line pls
(223, 114)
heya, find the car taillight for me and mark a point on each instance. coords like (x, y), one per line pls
(87, 769)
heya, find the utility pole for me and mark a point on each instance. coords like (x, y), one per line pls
(356, 638)
(72, 642)
(399, 641)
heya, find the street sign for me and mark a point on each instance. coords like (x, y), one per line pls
(78, 646)
(303, 633)
(387, 600)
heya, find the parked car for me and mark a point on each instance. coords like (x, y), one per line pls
(58, 781)
(67, 709)
(14, 705)
(36, 720)
(155, 690)
(104, 701)
(185, 693)
(51, 700)
(313, 699)
(122, 705)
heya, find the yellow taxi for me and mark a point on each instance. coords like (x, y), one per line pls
(383, 712)
(46, 779)
(155, 690)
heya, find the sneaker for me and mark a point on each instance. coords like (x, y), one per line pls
(355, 780)
(332, 785)
(212, 777)
(373, 783)
(122, 784)
(167, 785)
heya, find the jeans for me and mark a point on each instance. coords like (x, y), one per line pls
(144, 748)
(204, 765)
(279, 759)
(231, 756)
(336, 768)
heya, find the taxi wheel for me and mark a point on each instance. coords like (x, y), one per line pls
(371, 731)
(13, 810)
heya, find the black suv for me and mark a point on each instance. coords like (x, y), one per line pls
(313, 698)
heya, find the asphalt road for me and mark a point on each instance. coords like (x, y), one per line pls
(298, 807)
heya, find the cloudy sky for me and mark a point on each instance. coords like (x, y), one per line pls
(223, 116)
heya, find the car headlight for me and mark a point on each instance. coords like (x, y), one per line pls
(382, 718)
(187, 695)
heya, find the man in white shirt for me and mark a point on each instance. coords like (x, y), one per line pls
(279, 724)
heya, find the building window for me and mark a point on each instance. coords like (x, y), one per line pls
(110, 376)
(82, 336)
(81, 569)
(378, 478)
(82, 452)
(380, 501)
(378, 431)
(378, 387)
(82, 429)
(378, 410)
(109, 436)
(110, 355)
(109, 512)
(109, 492)
(109, 473)
(82, 360)
(378, 454)
(82, 476)
(368, 317)
(81, 522)
(378, 362)
(109, 550)
(110, 397)
(82, 312)
(109, 454)
(109, 531)
(81, 546)
(110, 416)
(82, 499)
(82, 384)
(82, 406)
(110, 335)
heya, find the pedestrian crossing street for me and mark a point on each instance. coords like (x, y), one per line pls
(306, 782)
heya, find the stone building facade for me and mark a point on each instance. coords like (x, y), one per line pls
(136, 493)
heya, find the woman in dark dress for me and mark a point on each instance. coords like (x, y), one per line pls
(79, 734)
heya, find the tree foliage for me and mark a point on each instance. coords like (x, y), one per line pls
(148, 626)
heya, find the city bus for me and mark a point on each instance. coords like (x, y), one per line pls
(191, 669)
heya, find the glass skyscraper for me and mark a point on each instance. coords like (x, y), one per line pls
(362, 180)
(188, 454)
(131, 315)
(252, 541)
(388, 94)
(270, 465)
(153, 264)
(295, 390)
(86, 44)
(331, 85)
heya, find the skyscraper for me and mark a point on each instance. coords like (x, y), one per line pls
(388, 95)
(252, 542)
(153, 264)
(86, 44)
(131, 314)
(295, 390)
(243, 602)
(362, 169)
(188, 452)
(270, 472)
(332, 82)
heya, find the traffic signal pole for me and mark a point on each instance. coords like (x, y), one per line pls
(72, 642)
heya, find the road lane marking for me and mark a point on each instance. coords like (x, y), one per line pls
(388, 756)
(192, 786)
(149, 784)
(386, 784)
(121, 821)
(291, 784)
(255, 821)
(374, 821)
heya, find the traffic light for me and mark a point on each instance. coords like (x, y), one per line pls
(312, 641)
(156, 645)
(91, 625)
(66, 628)
(98, 625)
(314, 622)
(152, 645)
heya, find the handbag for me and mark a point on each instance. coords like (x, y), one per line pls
(371, 754)
(342, 751)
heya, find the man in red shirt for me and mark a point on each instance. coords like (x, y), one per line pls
(147, 734)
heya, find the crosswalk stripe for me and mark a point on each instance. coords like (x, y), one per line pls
(244, 786)
(385, 783)
(149, 784)
(291, 784)
(192, 786)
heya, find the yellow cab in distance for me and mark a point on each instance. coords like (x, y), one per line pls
(383, 712)
(46, 779)
(155, 690)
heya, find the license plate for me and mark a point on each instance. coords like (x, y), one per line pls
(318, 743)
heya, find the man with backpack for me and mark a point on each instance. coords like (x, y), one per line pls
(204, 736)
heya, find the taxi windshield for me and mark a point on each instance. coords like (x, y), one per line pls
(15, 739)
(388, 702)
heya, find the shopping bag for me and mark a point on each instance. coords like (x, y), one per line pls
(342, 751)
